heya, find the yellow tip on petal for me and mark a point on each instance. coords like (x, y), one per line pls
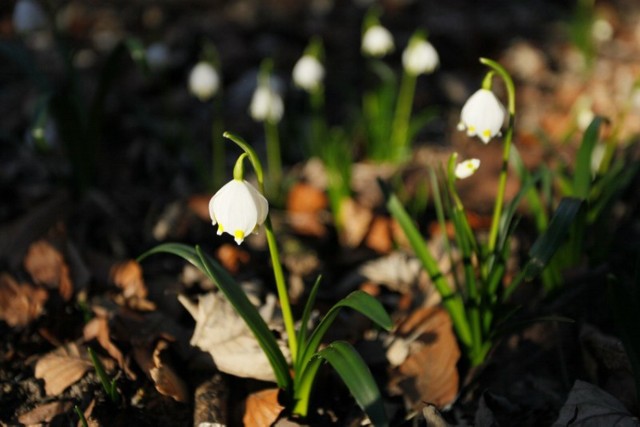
(220, 230)
(486, 133)
(472, 129)
(239, 236)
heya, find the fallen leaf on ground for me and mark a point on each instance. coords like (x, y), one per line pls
(45, 412)
(355, 220)
(20, 304)
(262, 408)
(221, 332)
(379, 236)
(47, 266)
(232, 257)
(305, 204)
(429, 372)
(127, 275)
(98, 328)
(166, 380)
(63, 367)
(592, 406)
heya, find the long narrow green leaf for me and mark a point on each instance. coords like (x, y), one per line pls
(237, 298)
(358, 379)
(452, 302)
(548, 242)
(306, 314)
(582, 177)
(357, 300)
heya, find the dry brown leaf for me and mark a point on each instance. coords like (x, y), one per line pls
(20, 304)
(221, 332)
(98, 328)
(429, 373)
(304, 205)
(127, 275)
(47, 266)
(45, 412)
(63, 367)
(356, 220)
(166, 380)
(91, 422)
(232, 257)
(262, 408)
(379, 236)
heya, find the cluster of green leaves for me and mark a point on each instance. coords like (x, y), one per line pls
(340, 355)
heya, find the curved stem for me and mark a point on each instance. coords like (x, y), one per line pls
(217, 145)
(278, 274)
(511, 94)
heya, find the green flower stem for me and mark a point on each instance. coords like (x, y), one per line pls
(511, 94)
(317, 125)
(274, 158)
(400, 128)
(217, 145)
(278, 274)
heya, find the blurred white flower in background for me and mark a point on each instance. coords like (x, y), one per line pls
(482, 115)
(308, 73)
(266, 104)
(377, 41)
(467, 168)
(238, 209)
(204, 81)
(420, 57)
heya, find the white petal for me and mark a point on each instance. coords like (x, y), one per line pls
(420, 57)
(377, 41)
(467, 168)
(204, 81)
(308, 73)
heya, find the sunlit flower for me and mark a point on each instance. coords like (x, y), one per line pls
(28, 16)
(467, 168)
(482, 115)
(377, 41)
(308, 73)
(266, 105)
(204, 81)
(420, 57)
(238, 208)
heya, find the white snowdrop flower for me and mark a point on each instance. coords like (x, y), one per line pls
(204, 81)
(308, 73)
(584, 118)
(420, 57)
(28, 16)
(482, 115)
(238, 208)
(377, 41)
(266, 105)
(597, 156)
(467, 168)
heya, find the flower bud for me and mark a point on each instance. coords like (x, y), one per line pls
(467, 168)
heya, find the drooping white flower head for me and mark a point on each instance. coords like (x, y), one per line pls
(467, 168)
(238, 208)
(420, 57)
(266, 104)
(28, 16)
(482, 115)
(204, 81)
(377, 41)
(308, 73)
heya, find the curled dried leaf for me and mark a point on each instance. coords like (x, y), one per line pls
(127, 275)
(262, 408)
(44, 413)
(98, 328)
(166, 380)
(62, 367)
(20, 304)
(47, 266)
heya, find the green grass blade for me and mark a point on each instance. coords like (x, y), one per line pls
(237, 298)
(306, 314)
(582, 176)
(358, 379)
(108, 385)
(548, 242)
(357, 300)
